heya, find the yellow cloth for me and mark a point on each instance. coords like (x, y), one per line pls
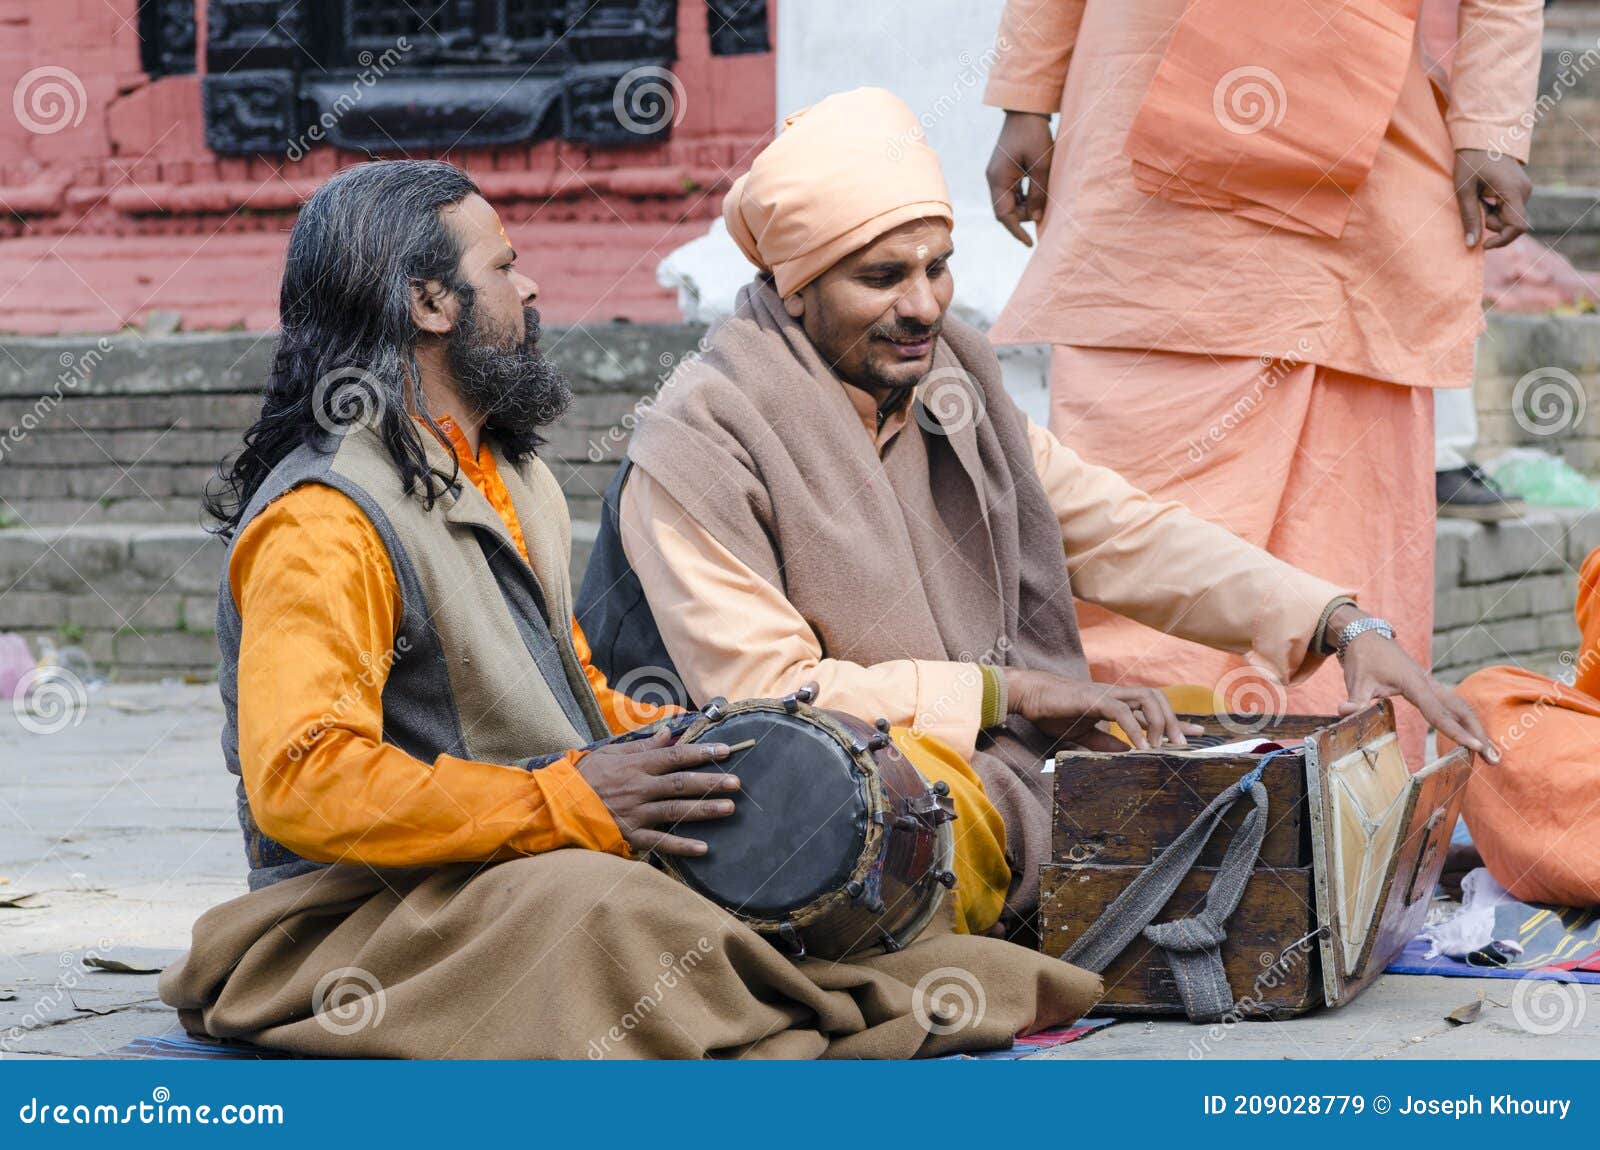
(320, 607)
(840, 174)
(982, 875)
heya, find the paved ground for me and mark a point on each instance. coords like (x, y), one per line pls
(121, 830)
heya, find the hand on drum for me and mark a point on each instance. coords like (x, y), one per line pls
(1070, 708)
(649, 783)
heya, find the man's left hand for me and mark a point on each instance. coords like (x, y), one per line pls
(1492, 192)
(1376, 666)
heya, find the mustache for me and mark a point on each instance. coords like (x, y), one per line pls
(908, 333)
(531, 329)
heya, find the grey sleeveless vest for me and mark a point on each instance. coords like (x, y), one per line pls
(483, 665)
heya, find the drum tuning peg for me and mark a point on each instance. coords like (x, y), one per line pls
(854, 888)
(882, 725)
(857, 747)
(790, 938)
(878, 741)
(713, 710)
(946, 879)
(908, 823)
(941, 788)
(889, 941)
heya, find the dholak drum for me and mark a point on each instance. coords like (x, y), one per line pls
(837, 844)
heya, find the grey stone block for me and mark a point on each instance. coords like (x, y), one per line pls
(1551, 594)
(1559, 633)
(198, 613)
(1516, 547)
(180, 650)
(1458, 607)
(1450, 548)
(117, 610)
(178, 558)
(1507, 599)
(32, 610)
(1583, 536)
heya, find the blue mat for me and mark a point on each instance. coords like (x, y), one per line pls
(177, 1045)
(1554, 939)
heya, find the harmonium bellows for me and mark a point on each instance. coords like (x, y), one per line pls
(1337, 852)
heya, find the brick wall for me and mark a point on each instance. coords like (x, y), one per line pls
(122, 210)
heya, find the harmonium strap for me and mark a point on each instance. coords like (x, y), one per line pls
(1192, 946)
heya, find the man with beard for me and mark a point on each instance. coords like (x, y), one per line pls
(840, 490)
(407, 697)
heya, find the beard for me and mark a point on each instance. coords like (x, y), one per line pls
(506, 380)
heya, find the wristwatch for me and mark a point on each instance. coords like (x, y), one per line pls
(1348, 633)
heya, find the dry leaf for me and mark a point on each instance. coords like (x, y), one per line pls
(1462, 1015)
(21, 902)
(116, 967)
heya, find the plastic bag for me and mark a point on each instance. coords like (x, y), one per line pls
(1543, 480)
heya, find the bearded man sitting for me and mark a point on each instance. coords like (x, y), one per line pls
(839, 489)
(437, 868)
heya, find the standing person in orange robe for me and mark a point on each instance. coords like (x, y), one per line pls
(1260, 247)
(1535, 816)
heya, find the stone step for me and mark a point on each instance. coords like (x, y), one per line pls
(1568, 220)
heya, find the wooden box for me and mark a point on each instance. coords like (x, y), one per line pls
(1354, 847)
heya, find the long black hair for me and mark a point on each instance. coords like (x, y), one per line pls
(348, 338)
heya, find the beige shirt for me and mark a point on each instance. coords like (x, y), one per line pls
(732, 633)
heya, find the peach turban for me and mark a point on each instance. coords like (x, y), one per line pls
(840, 174)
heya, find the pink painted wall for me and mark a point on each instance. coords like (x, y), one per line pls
(112, 207)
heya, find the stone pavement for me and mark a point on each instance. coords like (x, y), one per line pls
(121, 830)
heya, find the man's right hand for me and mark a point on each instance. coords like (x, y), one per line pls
(647, 784)
(1071, 708)
(1021, 154)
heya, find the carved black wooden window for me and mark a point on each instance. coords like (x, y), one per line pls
(383, 76)
(166, 37)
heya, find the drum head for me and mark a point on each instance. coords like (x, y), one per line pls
(799, 824)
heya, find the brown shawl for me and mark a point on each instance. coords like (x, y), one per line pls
(945, 548)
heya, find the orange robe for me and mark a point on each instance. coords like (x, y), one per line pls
(1271, 379)
(320, 607)
(1536, 816)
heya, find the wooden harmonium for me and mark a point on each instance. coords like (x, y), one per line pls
(1353, 849)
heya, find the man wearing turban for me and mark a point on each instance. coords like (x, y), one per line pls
(839, 490)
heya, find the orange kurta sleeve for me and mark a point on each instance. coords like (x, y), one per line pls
(1494, 79)
(1031, 53)
(317, 593)
(1158, 563)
